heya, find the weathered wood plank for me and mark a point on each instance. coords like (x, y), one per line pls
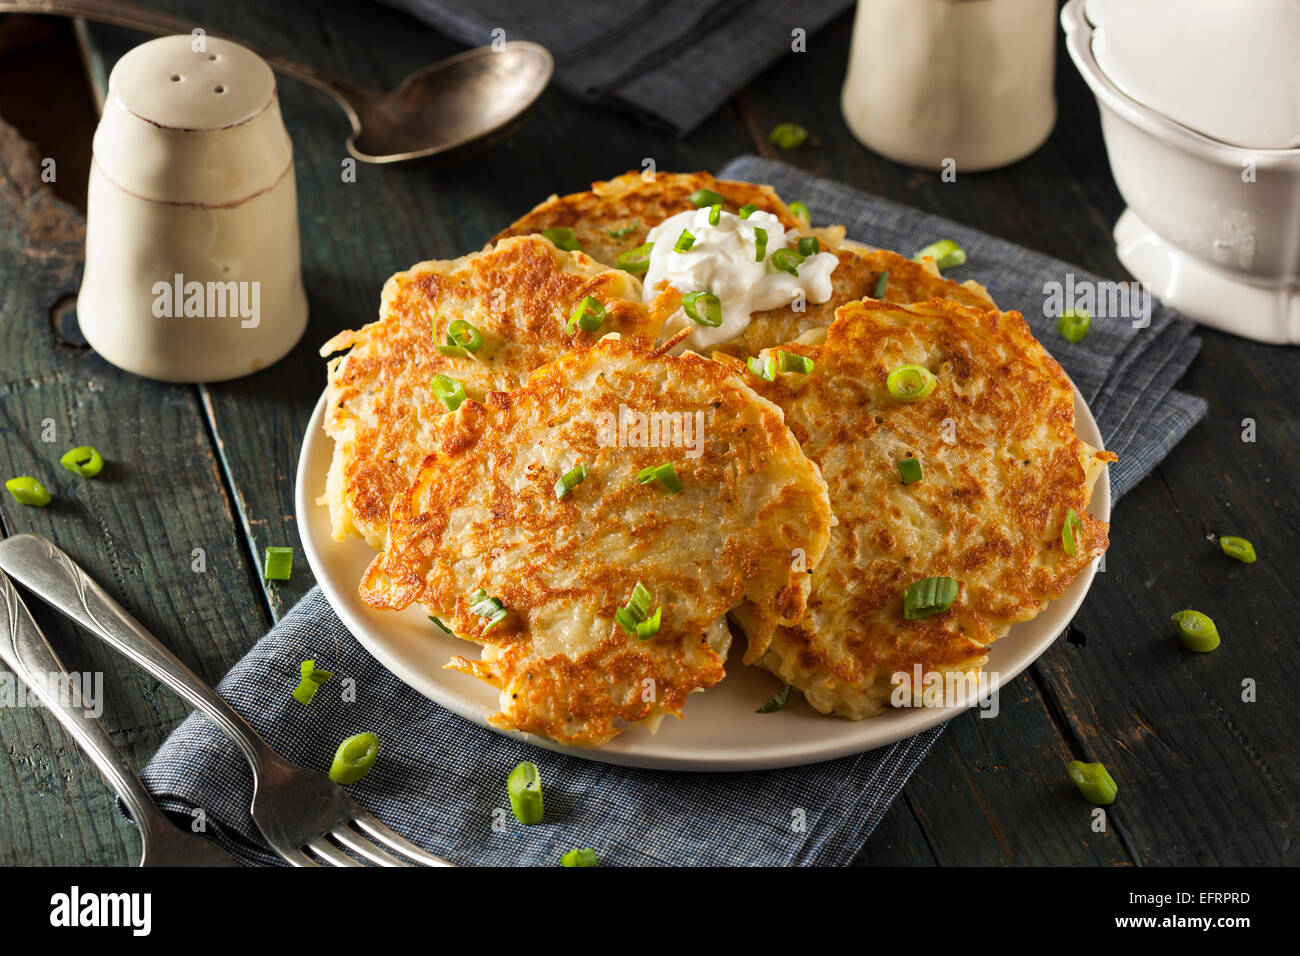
(135, 527)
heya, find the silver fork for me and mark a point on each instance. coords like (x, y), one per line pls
(24, 648)
(305, 817)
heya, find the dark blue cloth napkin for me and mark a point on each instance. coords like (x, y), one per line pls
(440, 779)
(656, 58)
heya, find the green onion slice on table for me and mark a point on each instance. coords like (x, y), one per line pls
(1196, 631)
(584, 857)
(787, 136)
(706, 197)
(1238, 548)
(1093, 782)
(570, 480)
(524, 785)
(910, 383)
(277, 564)
(84, 461)
(704, 308)
(28, 491)
(354, 758)
(929, 596)
(562, 237)
(449, 391)
(635, 260)
(1074, 324)
(665, 474)
(311, 679)
(946, 254)
(588, 316)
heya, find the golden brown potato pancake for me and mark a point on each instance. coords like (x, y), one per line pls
(483, 513)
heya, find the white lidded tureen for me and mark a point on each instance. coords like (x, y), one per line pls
(1200, 109)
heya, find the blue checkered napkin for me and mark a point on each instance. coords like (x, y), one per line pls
(1125, 374)
(440, 778)
(653, 57)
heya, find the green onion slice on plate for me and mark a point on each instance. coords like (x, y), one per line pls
(28, 491)
(800, 211)
(1071, 524)
(704, 308)
(1093, 782)
(809, 246)
(684, 241)
(910, 470)
(1196, 631)
(483, 605)
(438, 623)
(1238, 548)
(747, 210)
(776, 701)
(562, 237)
(635, 260)
(354, 758)
(715, 213)
(760, 243)
(570, 480)
(929, 596)
(881, 285)
(666, 475)
(794, 362)
(910, 383)
(524, 785)
(625, 231)
(706, 197)
(588, 316)
(787, 260)
(449, 391)
(635, 617)
(277, 564)
(763, 368)
(84, 461)
(946, 254)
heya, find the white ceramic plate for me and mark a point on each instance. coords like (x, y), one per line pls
(721, 731)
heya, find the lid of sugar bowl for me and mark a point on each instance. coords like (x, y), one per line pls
(1229, 71)
(192, 119)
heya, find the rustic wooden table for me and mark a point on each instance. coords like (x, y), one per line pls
(1205, 777)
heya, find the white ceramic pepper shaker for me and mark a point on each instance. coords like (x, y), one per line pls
(192, 262)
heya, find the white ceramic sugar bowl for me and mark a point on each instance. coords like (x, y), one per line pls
(192, 264)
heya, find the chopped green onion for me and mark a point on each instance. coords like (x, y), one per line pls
(449, 391)
(715, 213)
(666, 475)
(524, 785)
(684, 242)
(794, 362)
(909, 383)
(706, 197)
(625, 231)
(570, 480)
(881, 285)
(583, 857)
(649, 627)
(800, 211)
(747, 210)
(1093, 782)
(462, 335)
(635, 260)
(84, 461)
(588, 316)
(277, 564)
(639, 603)
(765, 370)
(929, 596)
(562, 237)
(489, 607)
(442, 627)
(1074, 324)
(910, 470)
(354, 758)
(1238, 548)
(704, 308)
(28, 491)
(1196, 631)
(787, 136)
(809, 246)
(760, 243)
(946, 254)
(1072, 523)
(776, 701)
(312, 678)
(787, 260)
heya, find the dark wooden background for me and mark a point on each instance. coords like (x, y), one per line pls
(1204, 777)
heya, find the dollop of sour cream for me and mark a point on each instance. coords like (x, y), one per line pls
(723, 260)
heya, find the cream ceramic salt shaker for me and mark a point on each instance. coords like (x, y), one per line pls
(192, 263)
(961, 84)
